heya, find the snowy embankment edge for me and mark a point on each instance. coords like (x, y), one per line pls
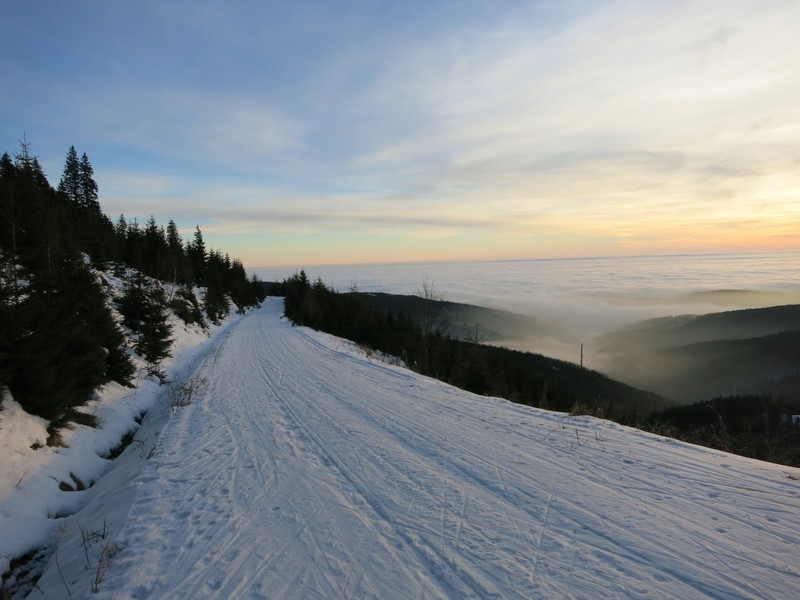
(40, 485)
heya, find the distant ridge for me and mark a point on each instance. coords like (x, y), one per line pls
(692, 357)
(493, 325)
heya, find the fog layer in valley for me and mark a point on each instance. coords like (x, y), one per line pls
(574, 302)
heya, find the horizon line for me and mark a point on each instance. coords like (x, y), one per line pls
(536, 259)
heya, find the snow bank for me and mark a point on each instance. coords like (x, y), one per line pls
(34, 477)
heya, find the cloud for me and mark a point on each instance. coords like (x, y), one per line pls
(612, 123)
(183, 125)
(623, 80)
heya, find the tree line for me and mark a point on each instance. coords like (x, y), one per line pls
(757, 426)
(62, 334)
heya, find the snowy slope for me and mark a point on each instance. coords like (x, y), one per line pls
(307, 470)
(33, 475)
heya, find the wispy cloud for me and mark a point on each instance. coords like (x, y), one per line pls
(601, 125)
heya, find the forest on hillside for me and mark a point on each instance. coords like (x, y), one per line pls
(757, 426)
(424, 342)
(63, 330)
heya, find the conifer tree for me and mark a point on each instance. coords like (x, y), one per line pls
(58, 339)
(143, 306)
(241, 289)
(155, 249)
(42, 234)
(10, 221)
(70, 184)
(88, 186)
(216, 302)
(121, 228)
(68, 343)
(5, 332)
(198, 257)
(155, 339)
(134, 243)
(176, 258)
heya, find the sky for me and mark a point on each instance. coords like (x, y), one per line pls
(313, 132)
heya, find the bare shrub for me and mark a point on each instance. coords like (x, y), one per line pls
(89, 538)
(185, 393)
(107, 553)
(145, 452)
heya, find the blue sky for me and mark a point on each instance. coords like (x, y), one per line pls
(302, 133)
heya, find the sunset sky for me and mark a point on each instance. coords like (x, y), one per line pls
(321, 132)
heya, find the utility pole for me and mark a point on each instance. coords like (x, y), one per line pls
(581, 355)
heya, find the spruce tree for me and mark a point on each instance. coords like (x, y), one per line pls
(216, 301)
(11, 219)
(155, 249)
(155, 341)
(132, 304)
(134, 246)
(70, 184)
(5, 331)
(176, 258)
(143, 306)
(88, 186)
(198, 257)
(40, 220)
(66, 345)
(121, 227)
(58, 339)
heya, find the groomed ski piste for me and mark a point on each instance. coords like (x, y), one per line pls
(304, 467)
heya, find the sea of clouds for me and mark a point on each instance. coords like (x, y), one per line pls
(584, 297)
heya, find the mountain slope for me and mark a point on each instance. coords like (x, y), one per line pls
(689, 329)
(459, 320)
(306, 470)
(690, 358)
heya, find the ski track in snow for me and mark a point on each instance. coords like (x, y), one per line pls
(306, 470)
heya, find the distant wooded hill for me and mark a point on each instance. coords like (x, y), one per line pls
(465, 321)
(689, 358)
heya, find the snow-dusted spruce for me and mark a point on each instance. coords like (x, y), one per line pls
(307, 469)
(66, 351)
(143, 306)
(58, 338)
(39, 483)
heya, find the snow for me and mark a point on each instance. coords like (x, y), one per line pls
(31, 501)
(306, 468)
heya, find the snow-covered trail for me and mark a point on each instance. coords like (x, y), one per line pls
(307, 470)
